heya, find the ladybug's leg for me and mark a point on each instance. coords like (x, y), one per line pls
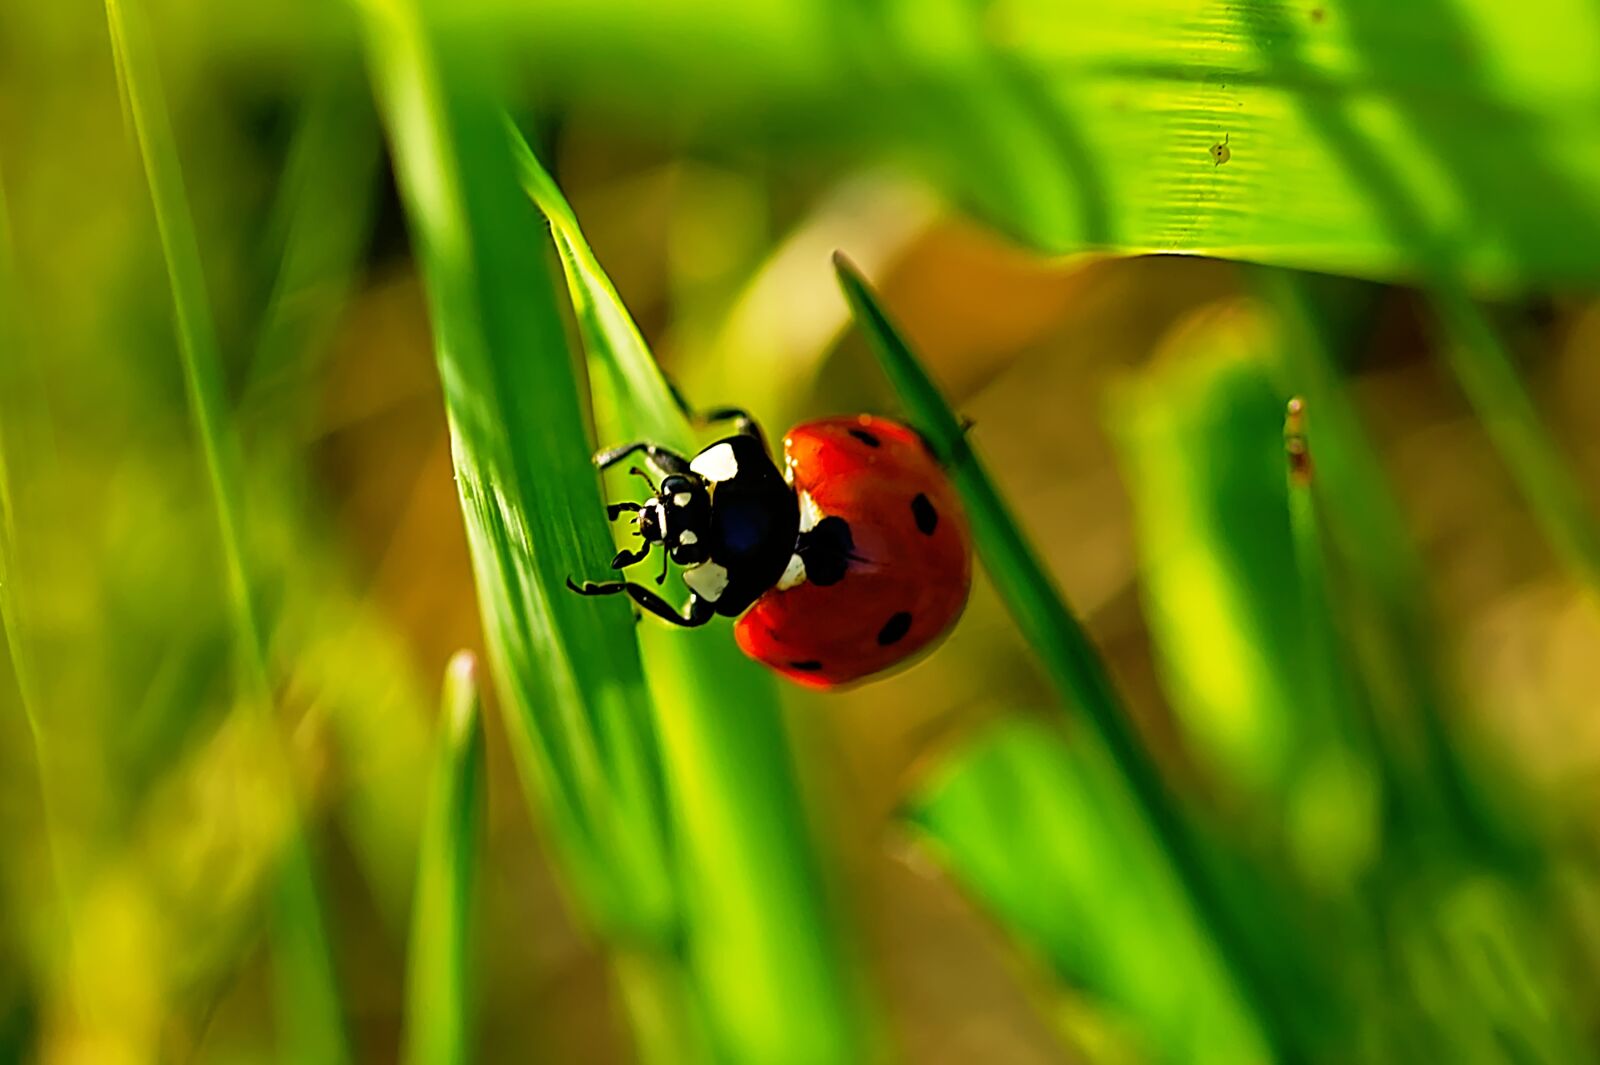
(617, 510)
(626, 558)
(743, 424)
(697, 613)
(662, 459)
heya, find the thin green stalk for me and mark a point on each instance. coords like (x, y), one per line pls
(438, 968)
(1476, 354)
(11, 614)
(1071, 661)
(320, 221)
(1324, 683)
(1429, 791)
(306, 984)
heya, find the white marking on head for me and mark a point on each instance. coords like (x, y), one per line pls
(716, 463)
(810, 513)
(708, 580)
(681, 499)
(794, 574)
(688, 537)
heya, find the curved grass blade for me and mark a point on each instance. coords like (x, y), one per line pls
(438, 969)
(1076, 124)
(763, 941)
(567, 668)
(1071, 662)
(306, 984)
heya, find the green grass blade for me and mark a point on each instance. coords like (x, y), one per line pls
(307, 989)
(1382, 577)
(763, 940)
(1477, 355)
(1072, 124)
(1042, 833)
(1237, 620)
(320, 222)
(1068, 657)
(567, 668)
(438, 966)
(15, 381)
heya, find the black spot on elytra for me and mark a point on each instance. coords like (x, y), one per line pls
(927, 517)
(826, 551)
(895, 629)
(865, 437)
(810, 665)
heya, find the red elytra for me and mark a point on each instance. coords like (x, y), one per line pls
(912, 569)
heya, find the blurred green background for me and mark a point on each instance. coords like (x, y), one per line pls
(278, 308)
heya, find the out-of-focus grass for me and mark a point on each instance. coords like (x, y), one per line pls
(1076, 669)
(753, 892)
(306, 986)
(439, 966)
(710, 146)
(1232, 586)
(1042, 831)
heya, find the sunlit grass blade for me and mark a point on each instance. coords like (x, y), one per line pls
(762, 939)
(1072, 663)
(307, 990)
(1069, 125)
(438, 966)
(567, 668)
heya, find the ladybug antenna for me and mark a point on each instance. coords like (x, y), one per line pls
(637, 472)
(666, 560)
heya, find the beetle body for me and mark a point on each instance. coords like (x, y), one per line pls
(848, 561)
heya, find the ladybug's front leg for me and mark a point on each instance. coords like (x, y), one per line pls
(697, 613)
(743, 423)
(662, 459)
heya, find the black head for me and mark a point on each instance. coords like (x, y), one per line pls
(678, 517)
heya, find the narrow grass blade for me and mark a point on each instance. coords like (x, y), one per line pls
(1072, 663)
(754, 890)
(438, 968)
(11, 381)
(16, 382)
(1477, 355)
(1239, 624)
(306, 985)
(1382, 577)
(319, 224)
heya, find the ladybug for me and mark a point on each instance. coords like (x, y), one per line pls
(848, 561)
